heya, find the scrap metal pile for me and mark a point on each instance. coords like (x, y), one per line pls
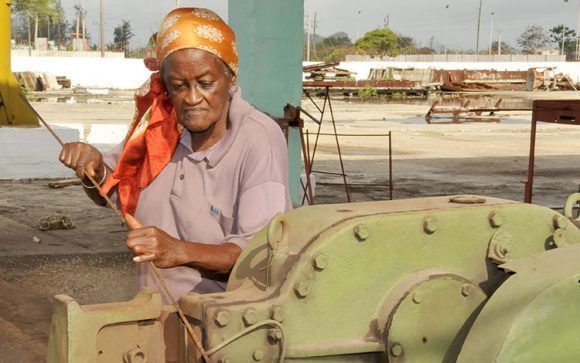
(422, 81)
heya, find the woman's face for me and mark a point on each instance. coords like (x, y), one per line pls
(198, 84)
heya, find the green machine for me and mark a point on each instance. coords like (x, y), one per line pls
(445, 279)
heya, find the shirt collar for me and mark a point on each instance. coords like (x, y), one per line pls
(239, 110)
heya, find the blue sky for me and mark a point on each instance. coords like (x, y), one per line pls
(420, 19)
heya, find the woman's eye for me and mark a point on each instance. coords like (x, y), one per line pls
(205, 84)
(178, 86)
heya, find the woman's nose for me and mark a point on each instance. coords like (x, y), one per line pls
(193, 96)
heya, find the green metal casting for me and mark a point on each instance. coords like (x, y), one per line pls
(420, 280)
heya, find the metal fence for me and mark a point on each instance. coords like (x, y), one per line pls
(458, 58)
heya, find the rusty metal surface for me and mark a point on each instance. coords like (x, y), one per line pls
(460, 76)
(379, 85)
(566, 112)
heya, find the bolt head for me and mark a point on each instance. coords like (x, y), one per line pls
(396, 350)
(277, 313)
(361, 232)
(430, 225)
(561, 221)
(275, 334)
(250, 316)
(222, 318)
(225, 360)
(302, 289)
(559, 237)
(320, 262)
(496, 219)
(258, 355)
(417, 298)
(466, 290)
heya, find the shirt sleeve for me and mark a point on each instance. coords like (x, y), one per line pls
(257, 206)
(110, 158)
(264, 185)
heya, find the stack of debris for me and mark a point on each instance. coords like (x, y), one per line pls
(546, 79)
(327, 72)
(34, 81)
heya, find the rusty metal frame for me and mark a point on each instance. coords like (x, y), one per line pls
(309, 158)
(464, 109)
(566, 112)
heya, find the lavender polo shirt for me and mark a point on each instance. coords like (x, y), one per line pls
(224, 194)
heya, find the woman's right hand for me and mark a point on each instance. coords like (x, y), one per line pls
(82, 157)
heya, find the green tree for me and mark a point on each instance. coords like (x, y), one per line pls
(379, 42)
(505, 48)
(532, 39)
(570, 42)
(35, 9)
(406, 44)
(122, 34)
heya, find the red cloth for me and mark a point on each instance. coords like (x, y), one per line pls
(147, 153)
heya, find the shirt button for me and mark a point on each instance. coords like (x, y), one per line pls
(181, 177)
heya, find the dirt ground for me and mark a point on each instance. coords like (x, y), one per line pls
(90, 263)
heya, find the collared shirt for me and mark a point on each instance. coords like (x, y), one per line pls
(224, 194)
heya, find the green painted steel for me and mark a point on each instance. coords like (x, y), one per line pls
(422, 280)
(535, 315)
(269, 35)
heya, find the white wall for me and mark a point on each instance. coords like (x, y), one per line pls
(362, 68)
(88, 72)
(131, 73)
(33, 152)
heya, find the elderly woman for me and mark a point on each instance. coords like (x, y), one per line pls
(200, 167)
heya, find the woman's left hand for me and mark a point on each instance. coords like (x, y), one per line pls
(153, 244)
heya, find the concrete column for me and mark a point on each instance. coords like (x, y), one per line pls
(269, 36)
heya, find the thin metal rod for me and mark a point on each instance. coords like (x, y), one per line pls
(529, 186)
(390, 166)
(309, 171)
(152, 266)
(306, 165)
(338, 146)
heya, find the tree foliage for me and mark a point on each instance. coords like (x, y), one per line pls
(556, 36)
(122, 34)
(505, 48)
(379, 42)
(532, 39)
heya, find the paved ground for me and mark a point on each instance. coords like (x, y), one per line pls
(90, 261)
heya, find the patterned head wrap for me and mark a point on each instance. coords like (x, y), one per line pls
(154, 133)
(197, 28)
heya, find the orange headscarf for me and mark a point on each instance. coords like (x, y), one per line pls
(154, 133)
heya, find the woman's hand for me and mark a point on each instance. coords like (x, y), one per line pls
(153, 244)
(83, 158)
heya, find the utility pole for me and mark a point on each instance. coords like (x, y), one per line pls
(357, 25)
(388, 20)
(314, 36)
(578, 35)
(564, 32)
(308, 35)
(478, 28)
(491, 33)
(499, 43)
(102, 30)
(445, 34)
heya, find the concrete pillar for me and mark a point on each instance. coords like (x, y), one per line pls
(269, 36)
